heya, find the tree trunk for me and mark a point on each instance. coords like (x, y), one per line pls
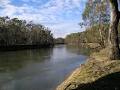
(102, 41)
(114, 52)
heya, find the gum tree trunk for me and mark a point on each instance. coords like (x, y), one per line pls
(113, 42)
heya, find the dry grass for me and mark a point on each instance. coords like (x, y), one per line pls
(96, 67)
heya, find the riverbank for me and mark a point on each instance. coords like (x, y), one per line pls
(98, 73)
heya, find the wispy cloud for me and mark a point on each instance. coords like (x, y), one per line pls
(48, 12)
(65, 28)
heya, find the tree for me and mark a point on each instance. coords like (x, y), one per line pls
(59, 41)
(113, 42)
(96, 14)
(19, 32)
(114, 51)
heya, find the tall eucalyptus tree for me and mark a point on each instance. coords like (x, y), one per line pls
(114, 51)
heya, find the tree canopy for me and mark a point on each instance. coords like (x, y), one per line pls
(19, 32)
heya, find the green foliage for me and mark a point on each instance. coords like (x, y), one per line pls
(96, 18)
(19, 32)
(96, 12)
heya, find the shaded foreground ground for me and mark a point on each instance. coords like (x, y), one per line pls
(98, 73)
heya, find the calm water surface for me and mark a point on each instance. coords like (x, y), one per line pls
(41, 69)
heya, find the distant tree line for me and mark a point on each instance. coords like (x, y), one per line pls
(19, 32)
(90, 35)
(59, 41)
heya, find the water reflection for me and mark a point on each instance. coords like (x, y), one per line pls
(40, 69)
(80, 50)
(13, 60)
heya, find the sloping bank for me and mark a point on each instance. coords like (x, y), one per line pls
(98, 73)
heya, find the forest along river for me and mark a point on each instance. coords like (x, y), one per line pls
(38, 69)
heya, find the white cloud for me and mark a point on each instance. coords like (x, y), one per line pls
(51, 12)
(4, 2)
(31, 1)
(63, 29)
(8, 9)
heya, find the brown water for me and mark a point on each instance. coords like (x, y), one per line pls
(41, 69)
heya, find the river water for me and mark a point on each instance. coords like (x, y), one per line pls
(38, 69)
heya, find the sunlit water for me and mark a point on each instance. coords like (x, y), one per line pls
(41, 69)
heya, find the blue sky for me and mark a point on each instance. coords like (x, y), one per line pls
(61, 16)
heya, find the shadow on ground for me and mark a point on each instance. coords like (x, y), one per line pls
(109, 82)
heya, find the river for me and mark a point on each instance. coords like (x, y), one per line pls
(38, 69)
